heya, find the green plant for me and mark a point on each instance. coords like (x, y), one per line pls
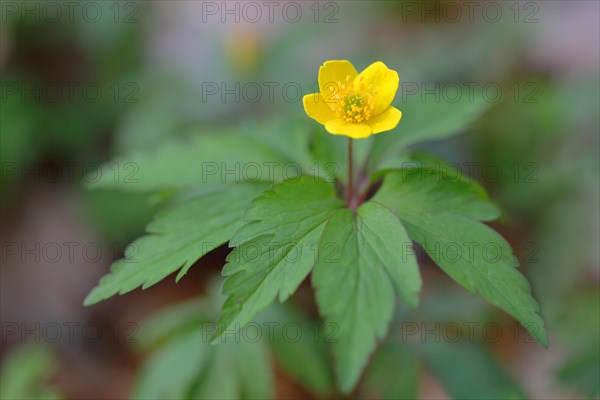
(274, 192)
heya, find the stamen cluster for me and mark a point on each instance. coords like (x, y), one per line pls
(353, 103)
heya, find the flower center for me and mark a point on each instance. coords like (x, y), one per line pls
(353, 103)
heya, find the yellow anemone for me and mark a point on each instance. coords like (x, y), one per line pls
(353, 104)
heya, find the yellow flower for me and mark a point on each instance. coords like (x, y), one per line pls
(353, 104)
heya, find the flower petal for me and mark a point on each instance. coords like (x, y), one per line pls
(385, 121)
(353, 130)
(317, 109)
(332, 72)
(385, 82)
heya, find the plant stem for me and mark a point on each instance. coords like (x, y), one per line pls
(349, 192)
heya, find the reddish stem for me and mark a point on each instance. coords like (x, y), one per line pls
(349, 191)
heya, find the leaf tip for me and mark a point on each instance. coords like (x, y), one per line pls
(91, 299)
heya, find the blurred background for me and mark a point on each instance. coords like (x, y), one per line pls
(84, 82)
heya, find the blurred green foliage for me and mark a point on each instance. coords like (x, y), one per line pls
(554, 141)
(26, 371)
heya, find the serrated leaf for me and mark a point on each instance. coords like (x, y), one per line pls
(355, 290)
(442, 192)
(443, 217)
(277, 248)
(423, 120)
(177, 238)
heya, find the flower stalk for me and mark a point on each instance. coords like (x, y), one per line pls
(350, 189)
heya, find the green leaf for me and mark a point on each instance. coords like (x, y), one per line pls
(355, 289)
(468, 371)
(305, 358)
(442, 216)
(423, 121)
(185, 365)
(204, 159)
(189, 367)
(164, 323)
(26, 371)
(442, 192)
(118, 216)
(235, 371)
(393, 373)
(173, 369)
(282, 136)
(177, 238)
(277, 248)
